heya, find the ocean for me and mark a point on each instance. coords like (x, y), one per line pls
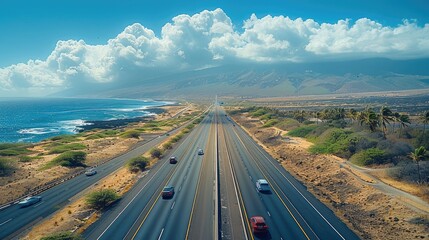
(35, 119)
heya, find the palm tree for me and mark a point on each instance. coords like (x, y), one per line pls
(369, 118)
(351, 114)
(385, 116)
(417, 156)
(404, 120)
(425, 119)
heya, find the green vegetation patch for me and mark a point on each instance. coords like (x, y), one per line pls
(137, 164)
(288, 124)
(270, 123)
(13, 149)
(68, 159)
(303, 131)
(259, 112)
(335, 141)
(131, 134)
(368, 157)
(65, 138)
(66, 148)
(62, 236)
(7, 166)
(156, 153)
(28, 158)
(101, 199)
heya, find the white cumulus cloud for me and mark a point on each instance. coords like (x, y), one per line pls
(209, 38)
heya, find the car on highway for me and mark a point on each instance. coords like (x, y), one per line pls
(90, 172)
(258, 224)
(173, 160)
(29, 201)
(167, 192)
(200, 152)
(262, 185)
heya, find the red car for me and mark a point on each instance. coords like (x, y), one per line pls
(258, 224)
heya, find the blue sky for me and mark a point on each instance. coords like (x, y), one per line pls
(30, 29)
(49, 46)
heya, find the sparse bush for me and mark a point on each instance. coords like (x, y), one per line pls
(138, 164)
(28, 158)
(288, 124)
(156, 153)
(13, 149)
(407, 171)
(131, 134)
(259, 112)
(62, 236)
(102, 198)
(69, 159)
(66, 148)
(270, 123)
(64, 138)
(167, 145)
(368, 157)
(302, 131)
(6, 166)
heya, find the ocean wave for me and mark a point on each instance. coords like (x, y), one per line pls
(37, 131)
(73, 126)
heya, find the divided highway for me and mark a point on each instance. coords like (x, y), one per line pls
(290, 211)
(215, 194)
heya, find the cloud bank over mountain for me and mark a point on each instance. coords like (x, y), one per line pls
(210, 39)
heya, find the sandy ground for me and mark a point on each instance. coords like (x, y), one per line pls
(368, 211)
(28, 177)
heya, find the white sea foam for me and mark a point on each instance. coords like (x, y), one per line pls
(37, 131)
(73, 126)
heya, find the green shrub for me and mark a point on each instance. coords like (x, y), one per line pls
(131, 134)
(62, 236)
(138, 164)
(335, 141)
(368, 157)
(156, 153)
(259, 112)
(6, 166)
(69, 159)
(288, 124)
(102, 198)
(302, 131)
(13, 149)
(266, 116)
(167, 145)
(270, 123)
(66, 148)
(28, 158)
(64, 138)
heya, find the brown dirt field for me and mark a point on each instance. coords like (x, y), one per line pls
(366, 210)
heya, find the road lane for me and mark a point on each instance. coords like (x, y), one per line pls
(60, 195)
(203, 215)
(316, 220)
(142, 213)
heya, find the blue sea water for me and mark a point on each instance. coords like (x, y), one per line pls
(35, 119)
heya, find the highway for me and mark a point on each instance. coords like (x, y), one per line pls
(143, 214)
(290, 211)
(215, 194)
(14, 220)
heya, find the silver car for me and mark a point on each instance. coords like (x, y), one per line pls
(263, 186)
(90, 172)
(29, 201)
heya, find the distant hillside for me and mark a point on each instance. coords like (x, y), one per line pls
(372, 75)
